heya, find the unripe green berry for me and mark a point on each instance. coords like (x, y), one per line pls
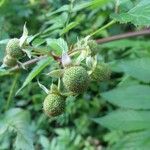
(101, 72)
(54, 105)
(13, 49)
(9, 61)
(76, 79)
(94, 47)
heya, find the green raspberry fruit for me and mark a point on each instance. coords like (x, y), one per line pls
(101, 72)
(13, 49)
(76, 79)
(9, 61)
(94, 47)
(54, 105)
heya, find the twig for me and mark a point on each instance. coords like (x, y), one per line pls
(33, 61)
(27, 63)
(104, 40)
(123, 36)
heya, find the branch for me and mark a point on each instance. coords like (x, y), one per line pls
(100, 41)
(33, 61)
(27, 63)
(123, 36)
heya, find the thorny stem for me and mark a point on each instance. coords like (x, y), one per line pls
(27, 63)
(99, 41)
(33, 61)
(123, 36)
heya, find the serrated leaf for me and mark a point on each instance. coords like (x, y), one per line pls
(134, 97)
(17, 120)
(18, 114)
(133, 141)
(125, 5)
(44, 141)
(35, 71)
(137, 68)
(138, 15)
(58, 45)
(125, 120)
(23, 141)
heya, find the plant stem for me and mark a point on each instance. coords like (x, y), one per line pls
(100, 41)
(123, 36)
(27, 63)
(117, 6)
(11, 93)
(104, 27)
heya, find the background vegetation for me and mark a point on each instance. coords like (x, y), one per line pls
(113, 115)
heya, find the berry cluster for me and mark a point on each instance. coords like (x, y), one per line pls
(80, 67)
(13, 52)
(75, 79)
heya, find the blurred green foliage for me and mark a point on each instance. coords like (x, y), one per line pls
(112, 115)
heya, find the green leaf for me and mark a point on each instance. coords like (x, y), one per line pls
(80, 6)
(4, 72)
(58, 45)
(3, 128)
(61, 9)
(56, 23)
(56, 73)
(24, 139)
(44, 141)
(93, 3)
(69, 27)
(35, 71)
(126, 120)
(17, 120)
(133, 141)
(134, 97)
(137, 68)
(138, 15)
(113, 136)
(3, 38)
(38, 41)
(125, 5)
(4, 41)
(24, 36)
(2, 2)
